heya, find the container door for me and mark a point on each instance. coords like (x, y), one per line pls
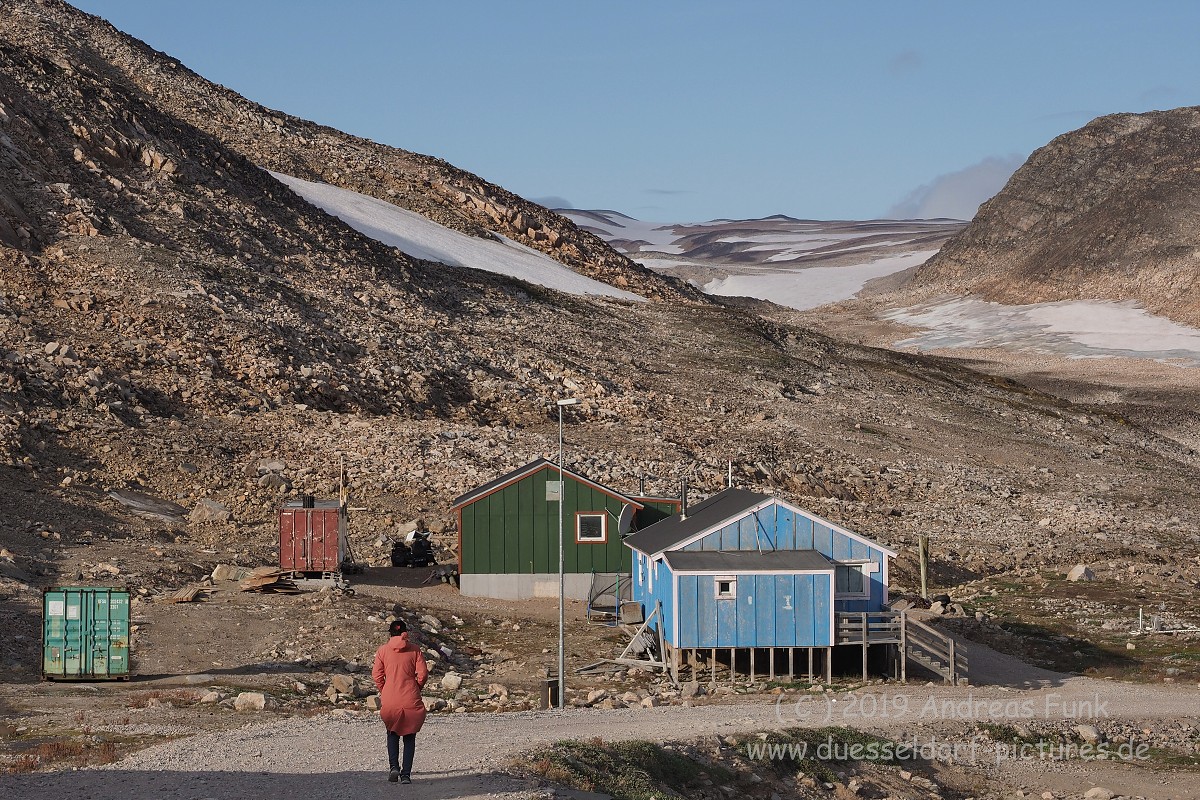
(54, 633)
(117, 649)
(326, 539)
(291, 540)
(75, 648)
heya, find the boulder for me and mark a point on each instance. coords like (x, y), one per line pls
(938, 607)
(273, 480)
(1098, 793)
(209, 511)
(451, 681)
(372, 702)
(250, 701)
(1081, 572)
(342, 684)
(1089, 733)
(690, 690)
(433, 703)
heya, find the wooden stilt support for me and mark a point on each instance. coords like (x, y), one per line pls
(751, 666)
(828, 665)
(865, 646)
(772, 657)
(733, 665)
(791, 664)
(810, 672)
(903, 647)
(714, 666)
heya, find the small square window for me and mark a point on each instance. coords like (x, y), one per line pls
(591, 527)
(850, 580)
(726, 588)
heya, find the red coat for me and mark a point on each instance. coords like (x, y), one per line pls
(400, 673)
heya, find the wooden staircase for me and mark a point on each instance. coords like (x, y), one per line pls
(916, 642)
(933, 650)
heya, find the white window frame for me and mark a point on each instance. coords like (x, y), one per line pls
(579, 515)
(866, 568)
(731, 580)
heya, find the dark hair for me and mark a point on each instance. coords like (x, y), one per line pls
(397, 627)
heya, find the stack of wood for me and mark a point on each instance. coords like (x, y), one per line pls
(268, 579)
(187, 594)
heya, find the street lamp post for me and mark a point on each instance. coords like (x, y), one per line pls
(562, 581)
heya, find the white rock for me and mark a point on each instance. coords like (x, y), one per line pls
(250, 701)
(1080, 572)
(451, 681)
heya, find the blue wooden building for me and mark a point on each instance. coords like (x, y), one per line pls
(743, 571)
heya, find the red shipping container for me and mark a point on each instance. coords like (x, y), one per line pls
(311, 539)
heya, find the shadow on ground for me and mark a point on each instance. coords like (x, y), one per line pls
(121, 784)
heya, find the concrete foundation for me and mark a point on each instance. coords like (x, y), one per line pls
(524, 587)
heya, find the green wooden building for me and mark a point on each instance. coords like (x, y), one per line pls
(508, 532)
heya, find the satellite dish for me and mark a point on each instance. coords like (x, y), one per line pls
(625, 523)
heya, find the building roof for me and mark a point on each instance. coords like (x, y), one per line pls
(717, 511)
(660, 536)
(741, 561)
(526, 471)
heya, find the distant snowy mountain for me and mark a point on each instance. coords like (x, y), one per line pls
(798, 263)
(422, 238)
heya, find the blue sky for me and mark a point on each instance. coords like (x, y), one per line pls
(688, 111)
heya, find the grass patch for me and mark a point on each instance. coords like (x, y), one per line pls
(1162, 757)
(816, 752)
(636, 770)
(1011, 734)
(64, 752)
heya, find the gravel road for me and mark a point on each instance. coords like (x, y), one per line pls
(340, 755)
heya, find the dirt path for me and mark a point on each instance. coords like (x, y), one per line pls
(340, 755)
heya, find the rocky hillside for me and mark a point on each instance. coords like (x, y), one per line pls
(1109, 211)
(86, 50)
(176, 327)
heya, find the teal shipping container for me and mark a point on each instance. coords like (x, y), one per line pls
(85, 633)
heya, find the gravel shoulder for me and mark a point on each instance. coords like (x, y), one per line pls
(340, 754)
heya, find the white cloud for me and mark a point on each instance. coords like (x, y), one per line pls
(957, 195)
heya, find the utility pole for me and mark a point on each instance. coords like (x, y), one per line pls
(562, 580)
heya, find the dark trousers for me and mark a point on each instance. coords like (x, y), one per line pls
(410, 747)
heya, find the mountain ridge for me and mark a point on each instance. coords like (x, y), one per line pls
(1105, 212)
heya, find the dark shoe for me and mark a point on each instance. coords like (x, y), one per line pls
(405, 779)
(394, 775)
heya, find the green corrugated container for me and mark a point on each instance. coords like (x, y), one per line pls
(85, 633)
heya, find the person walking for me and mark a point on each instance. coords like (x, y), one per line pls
(400, 673)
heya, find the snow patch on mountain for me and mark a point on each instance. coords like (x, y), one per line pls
(421, 238)
(1075, 329)
(816, 286)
